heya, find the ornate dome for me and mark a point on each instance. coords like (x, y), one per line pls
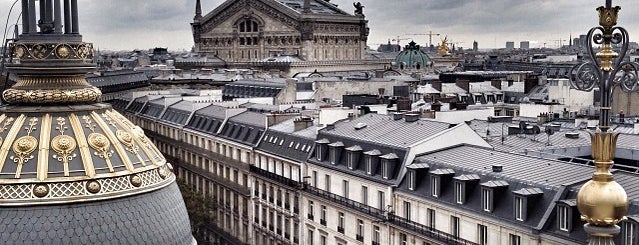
(412, 58)
(71, 168)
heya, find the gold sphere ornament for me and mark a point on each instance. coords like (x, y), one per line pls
(136, 181)
(93, 187)
(602, 201)
(41, 191)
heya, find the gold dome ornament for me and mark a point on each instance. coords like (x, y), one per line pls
(602, 201)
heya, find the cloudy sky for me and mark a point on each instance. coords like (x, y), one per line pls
(131, 24)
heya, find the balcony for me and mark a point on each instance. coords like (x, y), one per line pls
(198, 151)
(359, 238)
(374, 243)
(323, 222)
(274, 177)
(427, 231)
(310, 216)
(340, 229)
(345, 202)
(210, 176)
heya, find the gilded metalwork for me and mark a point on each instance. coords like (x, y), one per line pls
(80, 190)
(5, 125)
(24, 146)
(83, 146)
(41, 190)
(63, 145)
(113, 139)
(43, 154)
(52, 51)
(99, 142)
(52, 96)
(93, 186)
(136, 180)
(602, 202)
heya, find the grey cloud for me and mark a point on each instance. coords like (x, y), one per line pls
(128, 24)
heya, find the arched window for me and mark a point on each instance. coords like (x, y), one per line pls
(248, 26)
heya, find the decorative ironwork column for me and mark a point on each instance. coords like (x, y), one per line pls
(602, 202)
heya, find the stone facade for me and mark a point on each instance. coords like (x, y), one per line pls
(253, 30)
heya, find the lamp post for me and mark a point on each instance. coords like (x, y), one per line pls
(602, 202)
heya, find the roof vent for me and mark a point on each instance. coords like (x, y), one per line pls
(498, 168)
(360, 126)
(398, 116)
(411, 117)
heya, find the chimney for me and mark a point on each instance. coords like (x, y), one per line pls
(398, 116)
(437, 106)
(437, 85)
(496, 83)
(412, 117)
(403, 104)
(498, 168)
(463, 84)
(302, 123)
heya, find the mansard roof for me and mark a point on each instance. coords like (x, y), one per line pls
(384, 130)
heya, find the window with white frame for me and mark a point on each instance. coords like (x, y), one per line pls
(520, 208)
(385, 169)
(376, 234)
(482, 234)
(431, 218)
(411, 180)
(629, 229)
(340, 222)
(345, 188)
(454, 226)
(407, 210)
(327, 183)
(360, 230)
(319, 152)
(563, 217)
(323, 214)
(514, 239)
(380, 200)
(403, 240)
(310, 210)
(364, 195)
(459, 192)
(369, 164)
(487, 199)
(434, 186)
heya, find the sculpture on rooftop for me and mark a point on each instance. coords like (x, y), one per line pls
(359, 8)
(443, 48)
(602, 202)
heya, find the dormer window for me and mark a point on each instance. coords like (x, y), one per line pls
(352, 156)
(489, 192)
(411, 179)
(370, 160)
(523, 197)
(565, 214)
(435, 186)
(335, 152)
(320, 150)
(388, 165)
(463, 184)
(436, 180)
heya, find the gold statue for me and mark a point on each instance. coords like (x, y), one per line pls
(443, 48)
